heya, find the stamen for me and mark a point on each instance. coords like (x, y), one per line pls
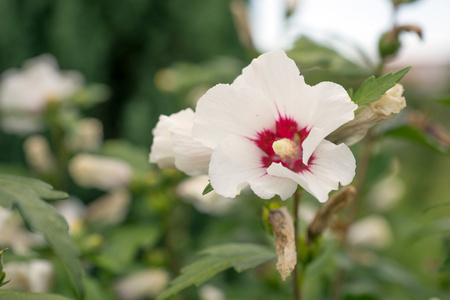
(286, 149)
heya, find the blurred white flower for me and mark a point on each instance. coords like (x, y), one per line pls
(369, 115)
(94, 171)
(190, 190)
(370, 232)
(111, 208)
(87, 136)
(25, 93)
(210, 292)
(142, 284)
(268, 132)
(34, 276)
(14, 235)
(73, 210)
(38, 154)
(385, 194)
(174, 147)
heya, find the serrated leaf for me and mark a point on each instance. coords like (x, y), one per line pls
(373, 88)
(217, 259)
(13, 295)
(208, 189)
(25, 194)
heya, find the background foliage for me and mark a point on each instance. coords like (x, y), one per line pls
(157, 57)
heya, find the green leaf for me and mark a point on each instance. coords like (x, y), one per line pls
(208, 189)
(13, 295)
(418, 136)
(310, 55)
(445, 101)
(217, 259)
(373, 88)
(446, 265)
(124, 243)
(137, 157)
(25, 194)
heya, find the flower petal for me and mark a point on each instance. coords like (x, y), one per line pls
(191, 156)
(236, 163)
(331, 109)
(225, 110)
(332, 164)
(173, 145)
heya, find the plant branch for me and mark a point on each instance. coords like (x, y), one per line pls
(297, 280)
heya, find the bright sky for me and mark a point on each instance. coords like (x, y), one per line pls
(357, 22)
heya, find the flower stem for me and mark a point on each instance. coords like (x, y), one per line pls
(363, 167)
(297, 278)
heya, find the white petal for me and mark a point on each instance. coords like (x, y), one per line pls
(225, 110)
(236, 163)
(162, 148)
(332, 164)
(173, 145)
(191, 156)
(268, 186)
(331, 108)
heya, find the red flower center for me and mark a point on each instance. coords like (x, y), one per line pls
(285, 128)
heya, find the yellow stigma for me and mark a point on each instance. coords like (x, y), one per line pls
(286, 149)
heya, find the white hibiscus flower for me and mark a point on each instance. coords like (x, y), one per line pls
(25, 93)
(267, 131)
(174, 147)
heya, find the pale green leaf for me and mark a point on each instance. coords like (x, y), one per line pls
(216, 259)
(25, 194)
(14, 295)
(208, 189)
(373, 88)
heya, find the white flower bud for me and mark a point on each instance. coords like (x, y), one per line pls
(88, 135)
(191, 190)
(369, 115)
(210, 292)
(34, 276)
(111, 208)
(38, 154)
(105, 173)
(14, 234)
(371, 232)
(143, 284)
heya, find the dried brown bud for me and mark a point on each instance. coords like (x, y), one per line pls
(325, 214)
(285, 242)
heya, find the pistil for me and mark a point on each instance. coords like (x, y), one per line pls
(286, 149)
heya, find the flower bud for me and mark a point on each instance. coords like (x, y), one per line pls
(87, 136)
(142, 284)
(367, 116)
(389, 43)
(34, 276)
(93, 171)
(38, 154)
(285, 241)
(325, 214)
(371, 232)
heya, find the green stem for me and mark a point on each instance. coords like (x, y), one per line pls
(360, 179)
(297, 278)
